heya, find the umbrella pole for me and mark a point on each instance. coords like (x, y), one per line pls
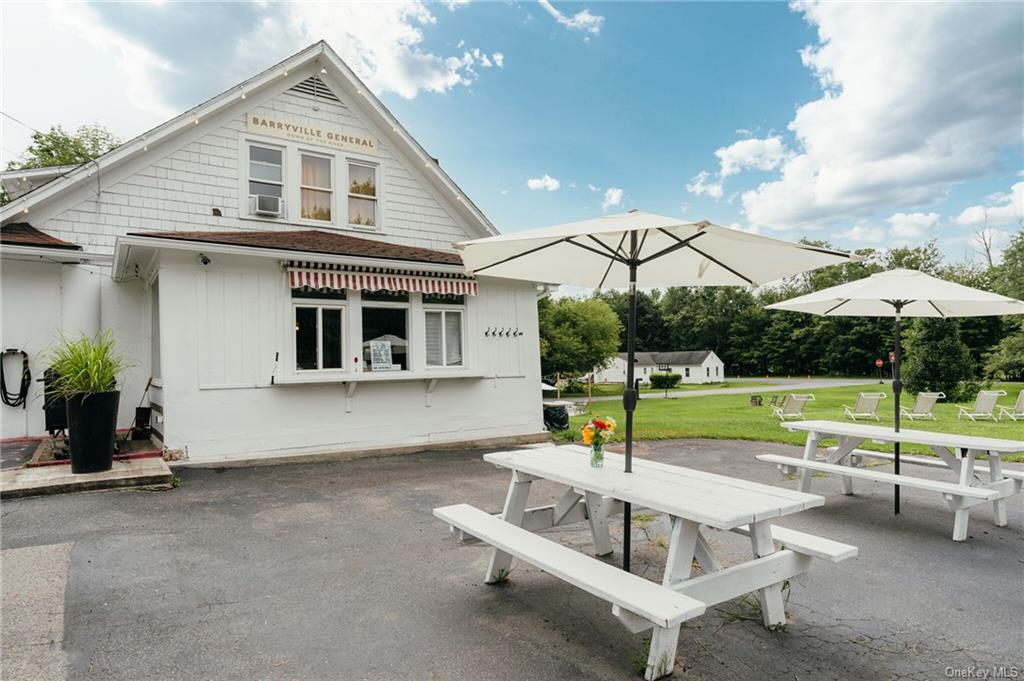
(629, 399)
(897, 388)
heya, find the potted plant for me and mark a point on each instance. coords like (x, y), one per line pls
(87, 371)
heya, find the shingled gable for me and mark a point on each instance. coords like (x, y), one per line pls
(311, 241)
(24, 234)
(338, 74)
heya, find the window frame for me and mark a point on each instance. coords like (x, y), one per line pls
(444, 309)
(320, 305)
(407, 306)
(376, 198)
(283, 184)
(332, 160)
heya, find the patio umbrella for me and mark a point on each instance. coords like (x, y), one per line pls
(901, 293)
(641, 249)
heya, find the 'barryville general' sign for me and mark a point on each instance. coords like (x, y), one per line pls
(309, 133)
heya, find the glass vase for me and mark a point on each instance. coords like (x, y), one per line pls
(597, 455)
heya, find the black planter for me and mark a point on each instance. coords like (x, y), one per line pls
(92, 426)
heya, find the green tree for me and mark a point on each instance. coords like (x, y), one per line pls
(576, 336)
(937, 359)
(650, 327)
(59, 147)
(1006, 360)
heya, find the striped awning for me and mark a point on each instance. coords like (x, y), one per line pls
(318, 278)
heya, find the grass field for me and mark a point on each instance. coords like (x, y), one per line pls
(730, 417)
(604, 389)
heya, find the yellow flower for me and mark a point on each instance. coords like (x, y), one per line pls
(588, 435)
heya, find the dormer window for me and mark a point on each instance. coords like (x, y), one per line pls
(362, 195)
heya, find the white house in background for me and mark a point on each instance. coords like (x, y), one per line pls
(280, 261)
(693, 366)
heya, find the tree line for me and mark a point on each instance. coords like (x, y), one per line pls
(753, 341)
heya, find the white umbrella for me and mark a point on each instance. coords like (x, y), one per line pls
(640, 249)
(901, 293)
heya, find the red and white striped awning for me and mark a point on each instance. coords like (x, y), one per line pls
(339, 280)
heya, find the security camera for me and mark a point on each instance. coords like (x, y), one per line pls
(204, 260)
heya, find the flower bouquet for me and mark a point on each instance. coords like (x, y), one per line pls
(596, 433)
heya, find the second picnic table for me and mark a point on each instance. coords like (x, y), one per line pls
(956, 453)
(690, 498)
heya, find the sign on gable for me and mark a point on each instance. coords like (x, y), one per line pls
(307, 133)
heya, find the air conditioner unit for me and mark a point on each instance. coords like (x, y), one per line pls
(267, 205)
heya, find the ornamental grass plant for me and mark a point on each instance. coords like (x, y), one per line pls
(86, 366)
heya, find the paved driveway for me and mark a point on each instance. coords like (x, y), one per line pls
(339, 571)
(738, 388)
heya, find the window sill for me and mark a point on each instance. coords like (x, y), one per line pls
(382, 377)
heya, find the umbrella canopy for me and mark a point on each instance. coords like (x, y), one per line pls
(901, 293)
(641, 249)
(918, 295)
(597, 253)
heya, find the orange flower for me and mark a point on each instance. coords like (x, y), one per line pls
(588, 435)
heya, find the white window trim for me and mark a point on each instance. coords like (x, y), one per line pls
(444, 308)
(320, 304)
(378, 199)
(410, 347)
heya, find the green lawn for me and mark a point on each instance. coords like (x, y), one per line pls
(731, 417)
(605, 389)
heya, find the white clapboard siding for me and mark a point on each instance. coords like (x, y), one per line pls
(931, 462)
(879, 476)
(651, 601)
(718, 503)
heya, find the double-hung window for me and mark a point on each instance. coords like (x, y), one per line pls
(315, 188)
(319, 329)
(266, 171)
(362, 195)
(444, 330)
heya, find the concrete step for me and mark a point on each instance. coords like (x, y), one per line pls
(25, 482)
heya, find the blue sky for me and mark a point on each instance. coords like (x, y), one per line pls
(864, 124)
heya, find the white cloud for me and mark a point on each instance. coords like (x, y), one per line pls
(593, 188)
(863, 234)
(699, 186)
(909, 108)
(572, 185)
(544, 182)
(499, 59)
(760, 154)
(912, 225)
(612, 198)
(504, 192)
(453, 5)
(1009, 211)
(581, 21)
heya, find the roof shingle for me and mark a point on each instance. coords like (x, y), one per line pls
(24, 234)
(313, 241)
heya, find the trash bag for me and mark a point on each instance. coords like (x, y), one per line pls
(556, 417)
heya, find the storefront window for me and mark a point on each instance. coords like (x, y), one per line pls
(385, 338)
(362, 195)
(315, 188)
(319, 340)
(444, 338)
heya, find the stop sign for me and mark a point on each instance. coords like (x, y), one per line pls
(879, 363)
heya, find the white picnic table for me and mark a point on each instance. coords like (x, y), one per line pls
(956, 453)
(690, 498)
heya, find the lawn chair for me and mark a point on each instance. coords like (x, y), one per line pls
(775, 401)
(1016, 411)
(866, 406)
(923, 406)
(984, 406)
(792, 407)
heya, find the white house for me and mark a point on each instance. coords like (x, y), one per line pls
(693, 366)
(279, 260)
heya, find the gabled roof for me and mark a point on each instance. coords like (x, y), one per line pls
(311, 241)
(24, 234)
(678, 358)
(319, 53)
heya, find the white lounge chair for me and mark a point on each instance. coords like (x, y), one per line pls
(1016, 411)
(923, 406)
(984, 406)
(866, 406)
(792, 407)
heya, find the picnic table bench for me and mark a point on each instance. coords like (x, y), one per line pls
(690, 498)
(956, 453)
